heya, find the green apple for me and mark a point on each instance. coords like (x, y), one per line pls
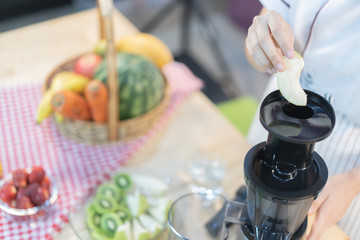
(159, 213)
(137, 204)
(158, 201)
(288, 81)
(139, 232)
(148, 185)
(150, 224)
(124, 232)
(100, 47)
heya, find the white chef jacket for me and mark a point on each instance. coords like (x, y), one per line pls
(327, 34)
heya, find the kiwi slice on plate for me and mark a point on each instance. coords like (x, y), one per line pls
(93, 219)
(123, 181)
(104, 204)
(121, 201)
(129, 207)
(109, 190)
(124, 213)
(109, 222)
(100, 235)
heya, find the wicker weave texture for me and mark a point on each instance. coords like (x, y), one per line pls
(97, 133)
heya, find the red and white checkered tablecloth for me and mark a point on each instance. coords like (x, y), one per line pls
(76, 168)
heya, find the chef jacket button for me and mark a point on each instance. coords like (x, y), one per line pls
(308, 78)
(329, 97)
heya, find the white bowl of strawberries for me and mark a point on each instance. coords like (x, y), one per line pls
(27, 193)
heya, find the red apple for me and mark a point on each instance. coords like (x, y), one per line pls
(86, 65)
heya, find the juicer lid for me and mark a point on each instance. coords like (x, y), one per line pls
(298, 124)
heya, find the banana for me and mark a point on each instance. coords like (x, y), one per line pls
(44, 109)
(59, 118)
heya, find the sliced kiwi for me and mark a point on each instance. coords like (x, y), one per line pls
(121, 201)
(93, 218)
(109, 222)
(109, 190)
(104, 204)
(100, 235)
(123, 181)
(124, 213)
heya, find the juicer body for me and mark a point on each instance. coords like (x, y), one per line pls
(284, 175)
(271, 208)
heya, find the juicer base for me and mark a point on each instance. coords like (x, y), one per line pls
(299, 235)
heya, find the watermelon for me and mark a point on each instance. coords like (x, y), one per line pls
(141, 84)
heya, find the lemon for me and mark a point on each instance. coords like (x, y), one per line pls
(146, 45)
(289, 81)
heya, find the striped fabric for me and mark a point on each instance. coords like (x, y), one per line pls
(341, 152)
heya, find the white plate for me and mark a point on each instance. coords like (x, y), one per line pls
(77, 218)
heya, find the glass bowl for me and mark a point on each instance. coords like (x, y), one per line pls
(34, 213)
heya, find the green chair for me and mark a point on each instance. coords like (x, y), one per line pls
(239, 111)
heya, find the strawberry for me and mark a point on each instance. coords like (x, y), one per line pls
(8, 193)
(20, 177)
(39, 196)
(23, 202)
(45, 183)
(37, 174)
(32, 187)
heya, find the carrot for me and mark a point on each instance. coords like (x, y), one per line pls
(96, 95)
(71, 105)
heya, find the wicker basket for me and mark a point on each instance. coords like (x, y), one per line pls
(97, 133)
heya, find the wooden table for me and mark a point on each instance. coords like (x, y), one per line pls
(28, 54)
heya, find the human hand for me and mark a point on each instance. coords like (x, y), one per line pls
(332, 203)
(269, 39)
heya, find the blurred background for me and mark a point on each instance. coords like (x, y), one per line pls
(207, 35)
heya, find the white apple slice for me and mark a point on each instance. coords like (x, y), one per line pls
(124, 232)
(150, 224)
(288, 81)
(139, 232)
(158, 201)
(148, 185)
(137, 204)
(159, 213)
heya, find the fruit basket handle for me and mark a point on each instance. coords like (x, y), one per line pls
(106, 28)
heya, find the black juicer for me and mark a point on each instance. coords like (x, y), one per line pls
(284, 175)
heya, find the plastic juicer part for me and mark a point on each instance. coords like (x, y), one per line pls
(284, 174)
